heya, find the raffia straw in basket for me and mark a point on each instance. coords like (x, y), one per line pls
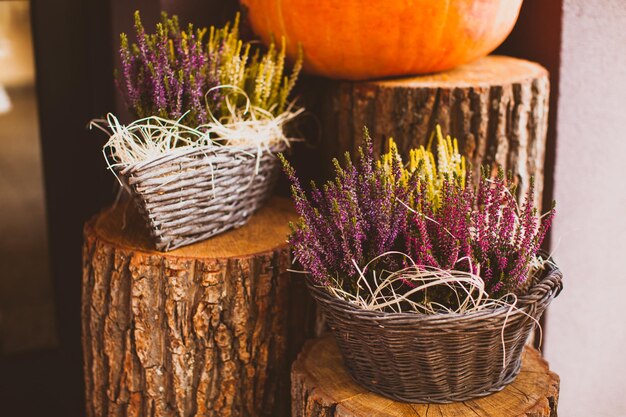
(192, 195)
(437, 358)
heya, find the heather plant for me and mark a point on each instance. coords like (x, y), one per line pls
(260, 76)
(196, 88)
(432, 173)
(481, 230)
(176, 72)
(426, 234)
(505, 239)
(351, 220)
(168, 73)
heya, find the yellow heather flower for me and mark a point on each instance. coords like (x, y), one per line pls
(449, 163)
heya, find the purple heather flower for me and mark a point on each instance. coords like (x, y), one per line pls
(360, 215)
(168, 73)
(348, 221)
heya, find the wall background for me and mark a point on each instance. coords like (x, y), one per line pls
(586, 326)
(26, 297)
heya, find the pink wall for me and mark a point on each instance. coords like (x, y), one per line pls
(586, 325)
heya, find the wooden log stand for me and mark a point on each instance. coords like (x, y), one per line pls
(205, 330)
(497, 107)
(322, 387)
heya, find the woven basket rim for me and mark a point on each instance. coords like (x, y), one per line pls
(192, 194)
(550, 285)
(251, 151)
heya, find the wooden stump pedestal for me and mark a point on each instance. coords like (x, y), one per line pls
(322, 387)
(206, 330)
(497, 107)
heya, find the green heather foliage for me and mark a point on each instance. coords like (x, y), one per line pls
(201, 73)
(260, 75)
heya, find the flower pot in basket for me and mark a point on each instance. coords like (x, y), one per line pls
(190, 195)
(378, 237)
(209, 116)
(442, 358)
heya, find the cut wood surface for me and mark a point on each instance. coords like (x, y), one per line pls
(497, 107)
(322, 387)
(205, 330)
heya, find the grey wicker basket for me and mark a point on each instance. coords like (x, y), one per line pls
(189, 196)
(436, 358)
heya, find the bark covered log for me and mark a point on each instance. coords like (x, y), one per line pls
(497, 107)
(205, 330)
(322, 387)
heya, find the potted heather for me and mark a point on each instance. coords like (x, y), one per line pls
(430, 279)
(209, 115)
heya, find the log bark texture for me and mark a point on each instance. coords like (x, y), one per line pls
(205, 330)
(322, 387)
(497, 107)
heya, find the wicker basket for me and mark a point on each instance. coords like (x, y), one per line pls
(435, 358)
(190, 196)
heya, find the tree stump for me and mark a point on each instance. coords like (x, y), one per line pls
(322, 387)
(497, 107)
(206, 330)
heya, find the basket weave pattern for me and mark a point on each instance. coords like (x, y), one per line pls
(436, 358)
(188, 197)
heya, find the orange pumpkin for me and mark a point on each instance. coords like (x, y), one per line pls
(362, 39)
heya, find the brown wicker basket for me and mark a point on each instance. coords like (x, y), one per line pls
(190, 196)
(436, 358)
